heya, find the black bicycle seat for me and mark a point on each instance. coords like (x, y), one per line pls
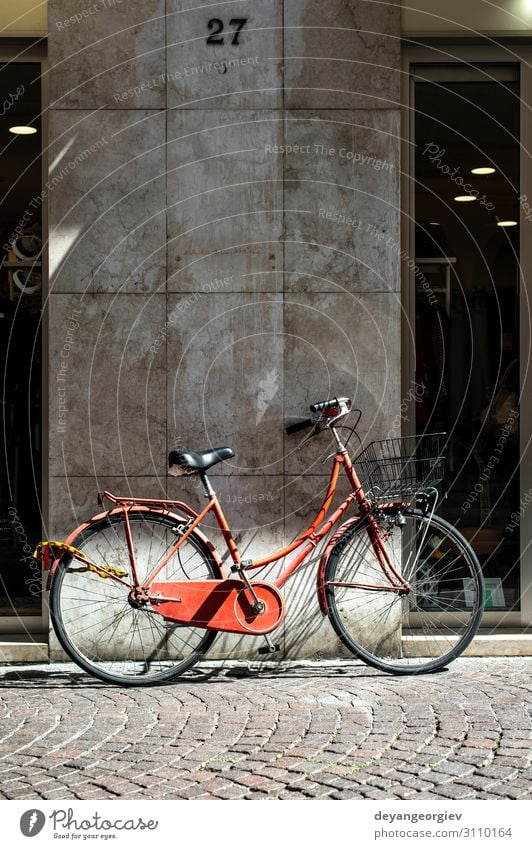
(197, 461)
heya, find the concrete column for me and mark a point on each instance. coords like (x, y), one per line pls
(224, 250)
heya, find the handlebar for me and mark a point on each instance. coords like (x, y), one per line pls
(331, 410)
(322, 405)
(332, 405)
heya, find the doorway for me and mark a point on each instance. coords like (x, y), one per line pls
(21, 276)
(466, 316)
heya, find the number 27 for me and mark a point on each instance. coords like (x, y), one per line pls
(217, 26)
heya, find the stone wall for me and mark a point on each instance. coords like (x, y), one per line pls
(224, 240)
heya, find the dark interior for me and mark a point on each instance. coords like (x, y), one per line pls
(467, 307)
(21, 204)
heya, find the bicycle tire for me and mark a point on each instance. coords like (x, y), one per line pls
(93, 620)
(419, 632)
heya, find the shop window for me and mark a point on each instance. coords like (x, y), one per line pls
(21, 207)
(467, 302)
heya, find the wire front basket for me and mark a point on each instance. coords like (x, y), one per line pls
(400, 467)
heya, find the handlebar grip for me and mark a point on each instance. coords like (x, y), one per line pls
(322, 405)
(293, 428)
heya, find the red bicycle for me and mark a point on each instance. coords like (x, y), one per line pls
(138, 593)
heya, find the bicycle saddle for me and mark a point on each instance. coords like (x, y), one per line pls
(181, 462)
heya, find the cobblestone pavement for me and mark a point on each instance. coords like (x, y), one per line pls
(329, 731)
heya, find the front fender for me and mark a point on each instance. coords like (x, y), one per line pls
(322, 597)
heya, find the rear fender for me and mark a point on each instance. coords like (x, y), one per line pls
(184, 508)
(322, 597)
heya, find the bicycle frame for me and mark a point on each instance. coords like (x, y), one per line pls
(307, 541)
(222, 593)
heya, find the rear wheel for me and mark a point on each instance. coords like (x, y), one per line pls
(430, 625)
(94, 618)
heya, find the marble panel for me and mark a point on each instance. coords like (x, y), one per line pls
(107, 390)
(106, 201)
(253, 506)
(342, 202)
(340, 345)
(225, 197)
(109, 54)
(254, 268)
(307, 633)
(220, 73)
(225, 378)
(73, 500)
(341, 54)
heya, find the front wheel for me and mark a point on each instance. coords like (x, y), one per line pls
(423, 629)
(94, 618)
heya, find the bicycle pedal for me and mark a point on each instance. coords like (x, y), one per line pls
(269, 649)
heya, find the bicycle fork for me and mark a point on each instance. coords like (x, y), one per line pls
(397, 581)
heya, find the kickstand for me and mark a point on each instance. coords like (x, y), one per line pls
(270, 647)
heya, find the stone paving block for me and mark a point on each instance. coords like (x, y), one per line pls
(476, 743)
(505, 760)
(346, 794)
(500, 773)
(257, 795)
(477, 757)
(379, 783)
(147, 781)
(508, 791)
(514, 747)
(429, 796)
(452, 768)
(403, 792)
(23, 795)
(261, 782)
(419, 784)
(526, 773)
(274, 772)
(194, 791)
(517, 735)
(412, 768)
(231, 792)
(374, 793)
(454, 791)
(329, 780)
(124, 788)
(99, 793)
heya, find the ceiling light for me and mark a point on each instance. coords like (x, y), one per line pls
(506, 223)
(484, 170)
(434, 223)
(23, 131)
(465, 198)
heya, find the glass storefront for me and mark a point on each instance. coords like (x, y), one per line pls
(20, 338)
(467, 156)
